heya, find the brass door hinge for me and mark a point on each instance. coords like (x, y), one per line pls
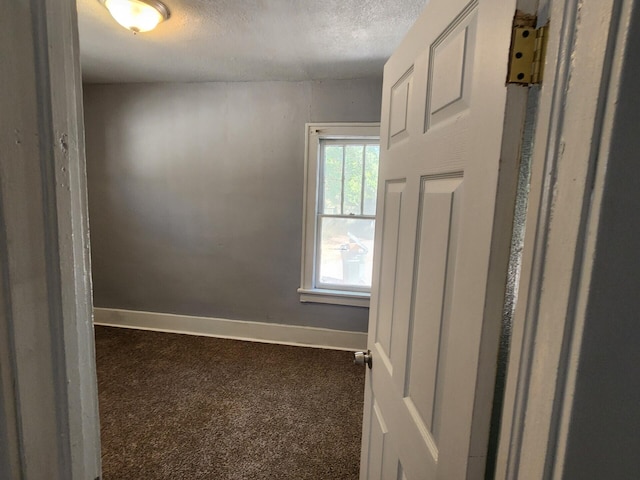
(527, 55)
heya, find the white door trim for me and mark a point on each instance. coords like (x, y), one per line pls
(47, 361)
(569, 160)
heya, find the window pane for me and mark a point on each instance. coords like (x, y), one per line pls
(346, 252)
(353, 179)
(332, 181)
(372, 156)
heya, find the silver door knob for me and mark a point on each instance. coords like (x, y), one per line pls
(362, 358)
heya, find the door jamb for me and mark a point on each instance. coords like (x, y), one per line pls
(574, 121)
(49, 425)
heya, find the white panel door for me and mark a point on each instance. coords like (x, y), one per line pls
(444, 96)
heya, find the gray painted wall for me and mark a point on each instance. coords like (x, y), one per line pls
(195, 195)
(604, 434)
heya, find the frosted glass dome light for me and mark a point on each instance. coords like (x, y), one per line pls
(137, 15)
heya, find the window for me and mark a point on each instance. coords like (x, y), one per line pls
(341, 180)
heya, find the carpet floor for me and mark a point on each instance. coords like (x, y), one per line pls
(186, 407)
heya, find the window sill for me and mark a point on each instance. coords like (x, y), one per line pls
(336, 297)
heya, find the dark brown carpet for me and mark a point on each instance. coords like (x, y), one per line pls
(185, 407)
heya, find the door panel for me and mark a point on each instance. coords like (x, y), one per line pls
(386, 464)
(378, 432)
(393, 191)
(437, 232)
(442, 116)
(400, 94)
(451, 69)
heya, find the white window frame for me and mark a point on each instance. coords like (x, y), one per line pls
(314, 134)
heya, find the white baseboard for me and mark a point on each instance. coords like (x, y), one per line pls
(235, 329)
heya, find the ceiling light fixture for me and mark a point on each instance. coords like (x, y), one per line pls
(137, 15)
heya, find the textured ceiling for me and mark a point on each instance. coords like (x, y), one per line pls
(242, 40)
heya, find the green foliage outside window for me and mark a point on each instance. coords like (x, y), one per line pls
(355, 198)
